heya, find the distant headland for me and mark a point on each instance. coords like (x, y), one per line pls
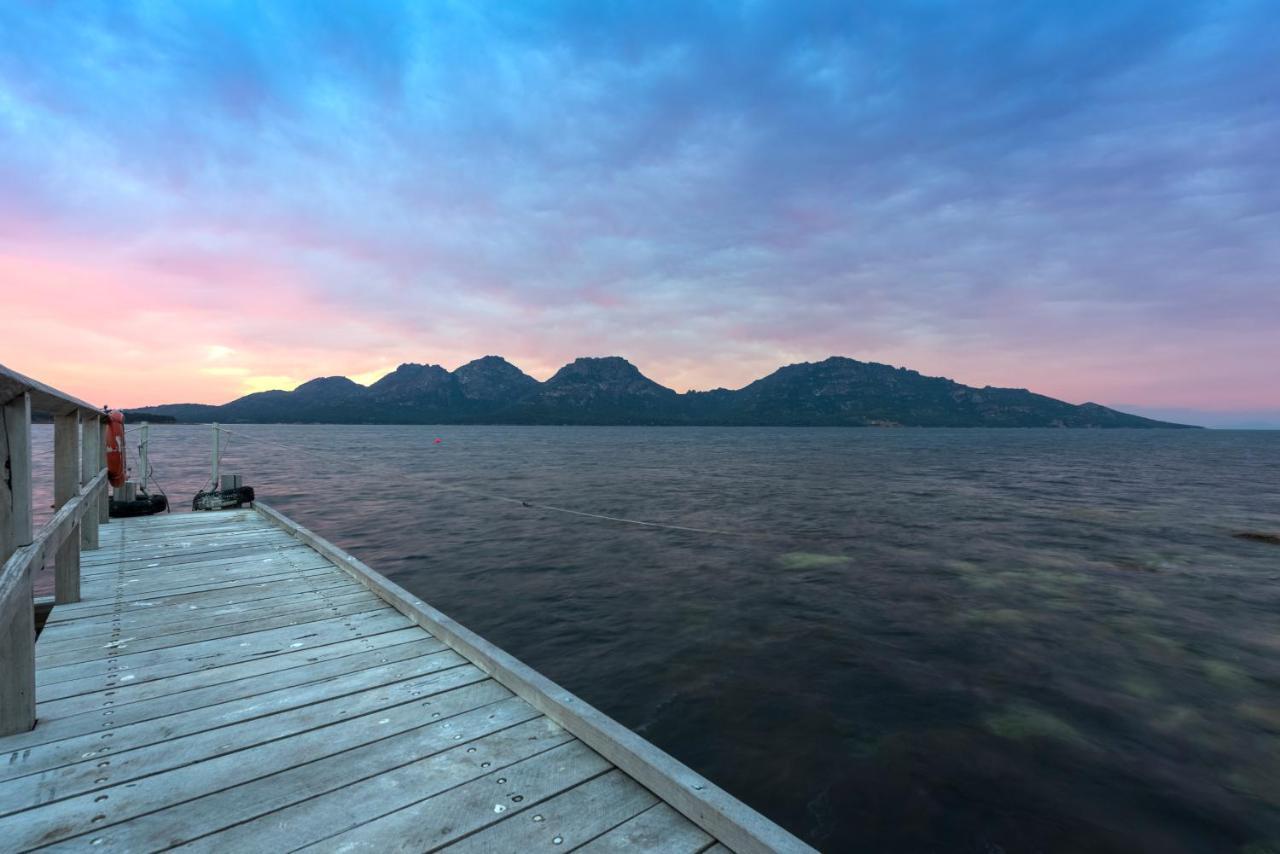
(836, 392)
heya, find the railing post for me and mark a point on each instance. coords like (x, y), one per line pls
(104, 500)
(91, 435)
(66, 484)
(17, 615)
(15, 490)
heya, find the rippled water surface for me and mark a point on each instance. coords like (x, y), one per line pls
(913, 640)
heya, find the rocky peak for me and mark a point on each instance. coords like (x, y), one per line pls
(328, 387)
(412, 375)
(604, 370)
(493, 378)
(413, 383)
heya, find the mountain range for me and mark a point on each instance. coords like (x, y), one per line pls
(611, 391)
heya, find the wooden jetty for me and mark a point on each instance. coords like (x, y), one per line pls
(230, 681)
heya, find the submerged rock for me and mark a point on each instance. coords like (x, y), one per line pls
(1021, 722)
(1258, 537)
(810, 560)
(998, 617)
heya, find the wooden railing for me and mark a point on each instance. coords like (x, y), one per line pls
(80, 498)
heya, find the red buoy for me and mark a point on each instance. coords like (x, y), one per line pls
(115, 448)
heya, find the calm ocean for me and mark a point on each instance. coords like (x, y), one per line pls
(908, 640)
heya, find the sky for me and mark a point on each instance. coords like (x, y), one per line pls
(202, 199)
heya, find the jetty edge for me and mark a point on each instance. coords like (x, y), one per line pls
(229, 678)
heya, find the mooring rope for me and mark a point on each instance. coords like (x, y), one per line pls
(534, 505)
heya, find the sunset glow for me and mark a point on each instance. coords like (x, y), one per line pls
(202, 200)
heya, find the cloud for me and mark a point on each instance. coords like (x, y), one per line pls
(1076, 198)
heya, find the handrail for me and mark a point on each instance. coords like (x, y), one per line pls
(80, 494)
(53, 533)
(43, 398)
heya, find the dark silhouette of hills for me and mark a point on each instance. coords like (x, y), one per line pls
(610, 390)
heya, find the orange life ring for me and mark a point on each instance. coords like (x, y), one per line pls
(115, 448)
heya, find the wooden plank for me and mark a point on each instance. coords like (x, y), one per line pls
(161, 583)
(246, 673)
(436, 818)
(714, 810)
(244, 551)
(211, 604)
(206, 595)
(74, 635)
(15, 487)
(184, 523)
(170, 542)
(177, 524)
(212, 651)
(279, 569)
(66, 458)
(161, 578)
(132, 558)
(220, 594)
(135, 560)
(141, 565)
(104, 500)
(145, 532)
(299, 805)
(66, 568)
(17, 653)
(58, 724)
(17, 625)
(136, 591)
(95, 675)
(188, 515)
(133, 644)
(208, 603)
(90, 452)
(88, 813)
(568, 819)
(142, 529)
(130, 549)
(146, 746)
(106, 603)
(657, 829)
(66, 486)
(181, 520)
(153, 531)
(118, 643)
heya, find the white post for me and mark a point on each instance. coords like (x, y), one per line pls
(217, 452)
(143, 460)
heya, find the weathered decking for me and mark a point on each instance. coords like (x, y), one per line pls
(232, 682)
